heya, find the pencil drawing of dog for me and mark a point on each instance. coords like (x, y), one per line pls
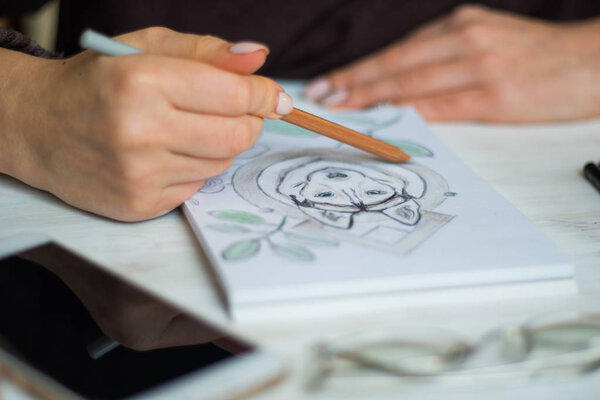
(333, 193)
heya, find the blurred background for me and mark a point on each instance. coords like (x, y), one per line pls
(39, 25)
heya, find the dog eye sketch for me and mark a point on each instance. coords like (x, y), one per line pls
(332, 193)
(334, 197)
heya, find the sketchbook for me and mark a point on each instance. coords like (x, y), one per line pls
(300, 216)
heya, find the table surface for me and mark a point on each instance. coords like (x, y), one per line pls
(537, 168)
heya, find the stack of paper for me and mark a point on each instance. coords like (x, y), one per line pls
(301, 216)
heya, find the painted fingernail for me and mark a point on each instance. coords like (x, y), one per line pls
(335, 98)
(285, 104)
(318, 89)
(247, 47)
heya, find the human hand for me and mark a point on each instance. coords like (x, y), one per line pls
(479, 64)
(132, 137)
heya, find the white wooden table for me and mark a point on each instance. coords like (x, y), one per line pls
(537, 168)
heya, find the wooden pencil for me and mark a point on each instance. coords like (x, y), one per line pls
(346, 135)
(105, 45)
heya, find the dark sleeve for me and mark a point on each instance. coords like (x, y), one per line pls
(12, 7)
(14, 40)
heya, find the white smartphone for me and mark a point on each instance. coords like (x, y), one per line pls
(69, 329)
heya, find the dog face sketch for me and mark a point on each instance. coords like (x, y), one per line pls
(344, 187)
(333, 192)
(347, 195)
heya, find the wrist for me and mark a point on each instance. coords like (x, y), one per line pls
(21, 81)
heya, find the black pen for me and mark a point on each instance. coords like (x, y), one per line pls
(592, 174)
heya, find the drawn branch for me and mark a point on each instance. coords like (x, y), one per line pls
(291, 245)
(293, 252)
(228, 228)
(238, 216)
(242, 250)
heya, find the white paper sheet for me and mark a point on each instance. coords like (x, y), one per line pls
(301, 216)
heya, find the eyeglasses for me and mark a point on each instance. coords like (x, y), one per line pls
(560, 344)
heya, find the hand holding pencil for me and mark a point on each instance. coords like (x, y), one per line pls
(104, 45)
(132, 137)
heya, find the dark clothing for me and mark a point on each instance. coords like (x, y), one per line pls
(306, 37)
(17, 41)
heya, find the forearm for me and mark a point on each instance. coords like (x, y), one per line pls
(21, 70)
(21, 78)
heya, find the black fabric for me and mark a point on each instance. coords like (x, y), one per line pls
(14, 40)
(12, 7)
(306, 37)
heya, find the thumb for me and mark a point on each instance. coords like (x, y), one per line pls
(242, 57)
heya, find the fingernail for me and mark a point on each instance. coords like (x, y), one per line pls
(335, 98)
(285, 104)
(318, 89)
(247, 47)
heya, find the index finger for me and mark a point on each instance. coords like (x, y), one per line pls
(209, 49)
(202, 88)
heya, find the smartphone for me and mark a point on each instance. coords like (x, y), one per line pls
(70, 329)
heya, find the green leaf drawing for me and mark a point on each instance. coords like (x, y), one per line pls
(278, 126)
(229, 228)
(241, 250)
(414, 149)
(293, 252)
(238, 216)
(310, 240)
